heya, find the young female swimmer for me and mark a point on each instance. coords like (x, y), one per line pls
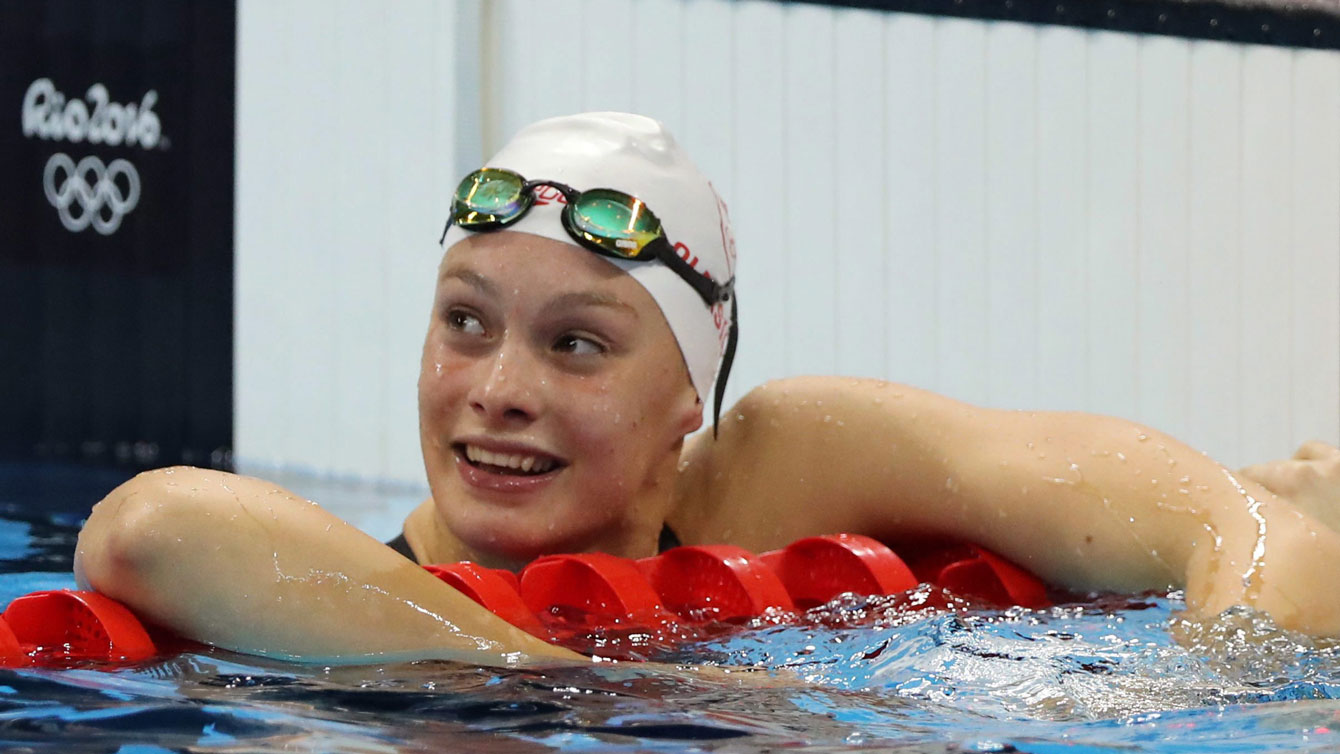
(559, 391)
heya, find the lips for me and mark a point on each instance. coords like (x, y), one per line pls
(505, 468)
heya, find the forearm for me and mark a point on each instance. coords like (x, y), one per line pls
(242, 564)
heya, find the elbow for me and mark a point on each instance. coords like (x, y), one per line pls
(130, 534)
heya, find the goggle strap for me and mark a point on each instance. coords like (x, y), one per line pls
(706, 287)
(726, 360)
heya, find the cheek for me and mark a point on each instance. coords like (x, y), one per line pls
(443, 381)
(615, 424)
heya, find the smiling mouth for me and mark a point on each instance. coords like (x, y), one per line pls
(512, 464)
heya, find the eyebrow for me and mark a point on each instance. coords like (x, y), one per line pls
(589, 298)
(569, 300)
(470, 278)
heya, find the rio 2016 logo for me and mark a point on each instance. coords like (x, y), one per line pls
(88, 192)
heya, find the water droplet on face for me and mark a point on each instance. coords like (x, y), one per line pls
(437, 367)
(827, 419)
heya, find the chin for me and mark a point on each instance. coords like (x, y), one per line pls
(512, 535)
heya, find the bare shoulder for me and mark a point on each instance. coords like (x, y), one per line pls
(792, 458)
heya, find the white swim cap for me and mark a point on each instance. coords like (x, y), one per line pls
(638, 156)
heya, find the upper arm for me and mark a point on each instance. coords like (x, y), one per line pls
(1083, 500)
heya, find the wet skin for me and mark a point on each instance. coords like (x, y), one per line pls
(543, 357)
(541, 350)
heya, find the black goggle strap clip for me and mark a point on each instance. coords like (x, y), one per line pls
(727, 359)
(710, 290)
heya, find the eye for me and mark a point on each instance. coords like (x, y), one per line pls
(465, 322)
(578, 345)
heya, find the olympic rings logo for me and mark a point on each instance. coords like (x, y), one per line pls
(91, 193)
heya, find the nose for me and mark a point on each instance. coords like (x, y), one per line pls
(503, 393)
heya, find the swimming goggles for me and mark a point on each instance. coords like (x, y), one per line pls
(606, 221)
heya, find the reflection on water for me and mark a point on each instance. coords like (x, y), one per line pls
(864, 674)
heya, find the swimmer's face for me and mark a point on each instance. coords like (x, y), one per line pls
(553, 400)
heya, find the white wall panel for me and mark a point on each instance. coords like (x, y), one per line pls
(260, 418)
(911, 193)
(1215, 248)
(1267, 194)
(1023, 216)
(1162, 310)
(959, 76)
(1316, 236)
(809, 157)
(519, 105)
(1012, 213)
(358, 436)
(708, 127)
(423, 97)
(344, 126)
(313, 249)
(1110, 213)
(1063, 91)
(658, 86)
(860, 234)
(554, 57)
(607, 75)
(755, 204)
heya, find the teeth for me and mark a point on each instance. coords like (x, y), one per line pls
(522, 463)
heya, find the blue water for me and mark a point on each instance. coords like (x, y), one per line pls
(859, 674)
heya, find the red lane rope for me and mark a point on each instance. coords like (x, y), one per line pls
(558, 597)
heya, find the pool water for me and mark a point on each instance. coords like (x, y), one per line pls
(857, 674)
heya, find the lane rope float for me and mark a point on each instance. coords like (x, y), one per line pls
(557, 597)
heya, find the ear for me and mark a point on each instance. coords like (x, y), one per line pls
(690, 412)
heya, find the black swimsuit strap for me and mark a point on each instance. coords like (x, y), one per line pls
(668, 539)
(401, 545)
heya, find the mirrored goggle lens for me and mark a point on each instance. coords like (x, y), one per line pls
(487, 197)
(619, 223)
